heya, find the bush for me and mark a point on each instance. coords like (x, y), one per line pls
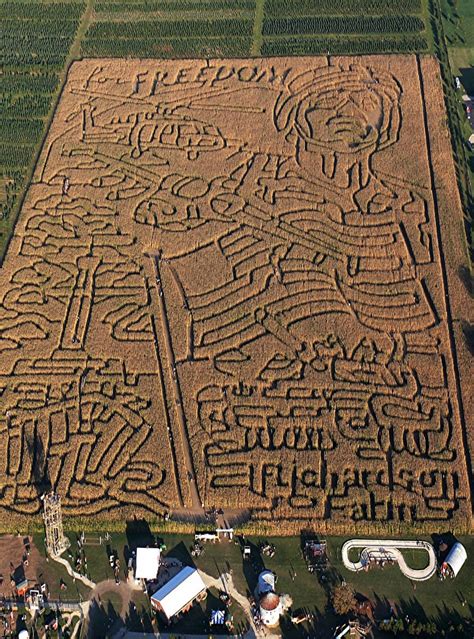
(343, 599)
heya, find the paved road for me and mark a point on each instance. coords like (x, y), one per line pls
(390, 549)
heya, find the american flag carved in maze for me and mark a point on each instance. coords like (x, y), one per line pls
(235, 264)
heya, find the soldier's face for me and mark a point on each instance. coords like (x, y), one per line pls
(345, 121)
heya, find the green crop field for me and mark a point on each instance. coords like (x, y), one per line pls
(458, 18)
(348, 26)
(458, 23)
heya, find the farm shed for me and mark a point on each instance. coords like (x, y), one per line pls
(21, 587)
(147, 563)
(454, 560)
(179, 593)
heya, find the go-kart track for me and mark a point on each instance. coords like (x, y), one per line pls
(380, 550)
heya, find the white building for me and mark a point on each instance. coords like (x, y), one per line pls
(147, 563)
(454, 560)
(179, 593)
(270, 604)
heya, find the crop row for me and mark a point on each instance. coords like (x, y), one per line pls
(232, 46)
(13, 180)
(155, 29)
(186, 5)
(347, 46)
(341, 7)
(24, 106)
(20, 131)
(18, 27)
(39, 45)
(40, 11)
(32, 58)
(343, 25)
(16, 83)
(14, 155)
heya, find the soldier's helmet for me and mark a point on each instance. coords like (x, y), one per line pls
(329, 86)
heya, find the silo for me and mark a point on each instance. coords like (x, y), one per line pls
(270, 608)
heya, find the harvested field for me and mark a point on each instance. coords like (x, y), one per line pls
(233, 270)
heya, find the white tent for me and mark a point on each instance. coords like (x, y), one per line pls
(217, 617)
(147, 563)
(266, 582)
(456, 558)
(178, 592)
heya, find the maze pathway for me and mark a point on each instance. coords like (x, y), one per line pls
(228, 288)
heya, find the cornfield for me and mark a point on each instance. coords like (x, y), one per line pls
(231, 284)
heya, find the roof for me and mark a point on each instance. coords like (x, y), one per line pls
(147, 563)
(456, 557)
(270, 601)
(21, 583)
(179, 591)
(266, 581)
(217, 617)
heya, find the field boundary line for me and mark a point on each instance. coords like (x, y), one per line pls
(257, 38)
(444, 281)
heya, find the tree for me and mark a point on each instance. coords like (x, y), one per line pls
(343, 599)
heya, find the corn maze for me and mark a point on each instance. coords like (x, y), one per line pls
(231, 272)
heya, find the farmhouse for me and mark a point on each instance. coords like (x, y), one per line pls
(179, 593)
(147, 563)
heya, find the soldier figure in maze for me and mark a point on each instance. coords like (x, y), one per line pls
(324, 208)
(311, 234)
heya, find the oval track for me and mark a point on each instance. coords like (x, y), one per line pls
(389, 550)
